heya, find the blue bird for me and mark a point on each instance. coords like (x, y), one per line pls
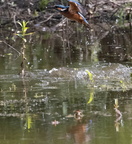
(74, 11)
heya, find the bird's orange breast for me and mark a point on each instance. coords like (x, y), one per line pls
(73, 16)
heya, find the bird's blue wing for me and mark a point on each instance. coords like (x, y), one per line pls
(61, 7)
(83, 18)
(74, 2)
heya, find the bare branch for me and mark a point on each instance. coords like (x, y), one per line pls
(12, 47)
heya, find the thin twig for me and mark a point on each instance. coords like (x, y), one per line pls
(12, 47)
(47, 19)
(61, 23)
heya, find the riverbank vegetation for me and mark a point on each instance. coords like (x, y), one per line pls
(41, 12)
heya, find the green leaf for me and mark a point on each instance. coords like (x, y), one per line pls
(91, 97)
(9, 54)
(24, 40)
(19, 23)
(23, 23)
(29, 33)
(23, 31)
(20, 35)
(90, 75)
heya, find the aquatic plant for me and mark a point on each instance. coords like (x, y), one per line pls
(116, 105)
(91, 97)
(13, 87)
(22, 35)
(90, 75)
(23, 31)
(118, 115)
(123, 85)
(28, 121)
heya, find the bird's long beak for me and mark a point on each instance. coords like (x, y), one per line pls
(50, 7)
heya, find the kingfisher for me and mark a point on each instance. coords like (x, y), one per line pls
(74, 11)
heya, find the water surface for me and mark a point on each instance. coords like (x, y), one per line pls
(41, 107)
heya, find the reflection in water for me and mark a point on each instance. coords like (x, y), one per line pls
(117, 123)
(118, 115)
(74, 46)
(79, 133)
(29, 106)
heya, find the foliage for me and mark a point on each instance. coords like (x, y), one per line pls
(91, 97)
(23, 31)
(123, 85)
(90, 75)
(42, 4)
(124, 13)
(13, 87)
(28, 123)
(22, 35)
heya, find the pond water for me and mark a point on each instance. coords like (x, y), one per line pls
(68, 94)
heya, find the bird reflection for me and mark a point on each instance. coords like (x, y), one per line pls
(79, 133)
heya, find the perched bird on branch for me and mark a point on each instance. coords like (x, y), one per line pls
(74, 11)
